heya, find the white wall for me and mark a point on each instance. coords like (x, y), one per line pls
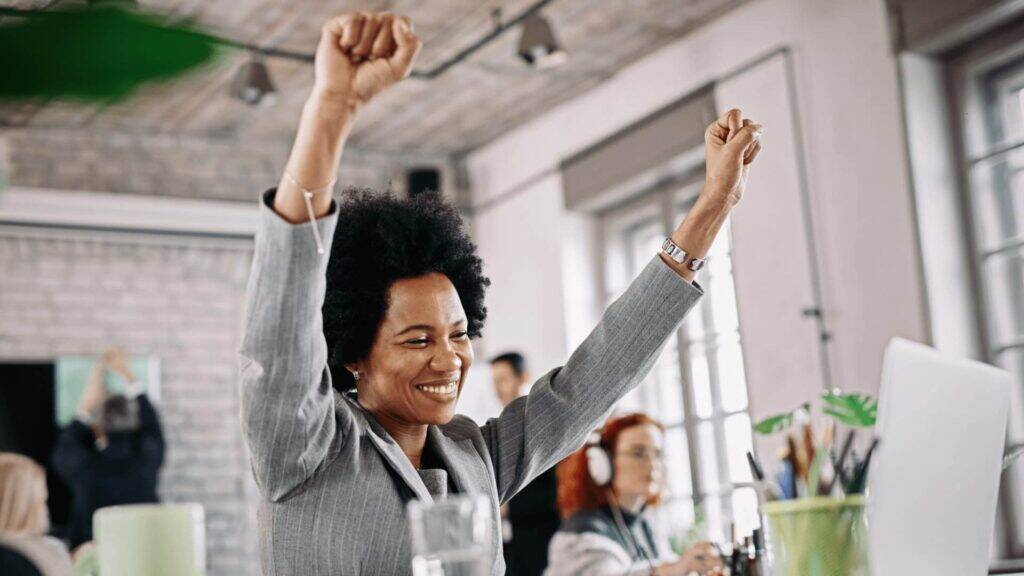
(848, 99)
(521, 249)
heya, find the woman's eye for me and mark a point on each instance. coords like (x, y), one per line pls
(417, 342)
(461, 335)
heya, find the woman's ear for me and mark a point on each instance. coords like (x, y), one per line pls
(354, 369)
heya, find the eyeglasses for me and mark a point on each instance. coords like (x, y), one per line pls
(651, 455)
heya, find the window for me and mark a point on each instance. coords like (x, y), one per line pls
(697, 387)
(993, 107)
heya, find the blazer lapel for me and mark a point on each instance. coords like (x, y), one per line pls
(392, 453)
(460, 460)
(470, 475)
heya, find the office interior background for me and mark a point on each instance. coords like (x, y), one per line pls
(889, 201)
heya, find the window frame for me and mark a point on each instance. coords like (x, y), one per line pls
(664, 203)
(973, 121)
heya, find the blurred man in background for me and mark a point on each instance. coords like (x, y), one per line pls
(531, 518)
(111, 452)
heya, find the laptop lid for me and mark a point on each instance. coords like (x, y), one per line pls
(934, 480)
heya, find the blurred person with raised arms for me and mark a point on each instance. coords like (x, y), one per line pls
(111, 453)
(358, 323)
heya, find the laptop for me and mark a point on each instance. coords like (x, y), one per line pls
(935, 476)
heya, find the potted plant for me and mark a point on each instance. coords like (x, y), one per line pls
(814, 509)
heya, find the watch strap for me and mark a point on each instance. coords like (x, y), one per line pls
(680, 256)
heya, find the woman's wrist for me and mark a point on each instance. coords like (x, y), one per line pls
(698, 230)
(715, 198)
(332, 106)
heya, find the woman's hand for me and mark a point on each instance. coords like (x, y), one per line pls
(360, 54)
(732, 144)
(115, 361)
(701, 558)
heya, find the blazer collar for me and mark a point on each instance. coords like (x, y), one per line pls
(459, 459)
(391, 451)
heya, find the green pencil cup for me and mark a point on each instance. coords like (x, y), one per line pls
(150, 540)
(817, 537)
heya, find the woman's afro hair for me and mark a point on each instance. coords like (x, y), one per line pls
(380, 239)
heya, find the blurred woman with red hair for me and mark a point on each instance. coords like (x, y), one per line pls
(603, 490)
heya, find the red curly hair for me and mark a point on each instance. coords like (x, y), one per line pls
(576, 489)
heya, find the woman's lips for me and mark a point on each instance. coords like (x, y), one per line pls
(446, 391)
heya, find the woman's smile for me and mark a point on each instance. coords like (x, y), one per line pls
(440, 390)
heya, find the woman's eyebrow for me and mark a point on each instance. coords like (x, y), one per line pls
(423, 327)
(428, 328)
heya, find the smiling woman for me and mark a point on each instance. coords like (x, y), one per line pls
(404, 326)
(351, 368)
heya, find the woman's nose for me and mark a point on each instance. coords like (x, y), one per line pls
(446, 359)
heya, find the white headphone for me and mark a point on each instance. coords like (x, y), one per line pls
(599, 465)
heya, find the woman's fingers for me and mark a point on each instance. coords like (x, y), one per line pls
(384, 45)
(745, 138)
(724, 128)
(733, 118)
(724, 120)
(408, 45)
(715, 134)
(368, 36)
(752, 152)
(347, 28)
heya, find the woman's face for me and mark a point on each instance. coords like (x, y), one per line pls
(420, 356)
(638, 462)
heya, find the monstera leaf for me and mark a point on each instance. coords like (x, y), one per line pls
(855, 410)
(779, 422)
(93, 53)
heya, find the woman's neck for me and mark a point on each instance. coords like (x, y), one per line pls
(411, 438)
(632, 503)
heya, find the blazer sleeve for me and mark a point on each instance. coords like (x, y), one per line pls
(535, 432)
(288, 409)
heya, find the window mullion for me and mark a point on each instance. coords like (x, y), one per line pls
(717, 424)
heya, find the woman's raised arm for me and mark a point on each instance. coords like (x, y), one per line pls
(359, 55)
(288, 406)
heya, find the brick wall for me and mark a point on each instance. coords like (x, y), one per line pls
(182, 166)
(72, 295)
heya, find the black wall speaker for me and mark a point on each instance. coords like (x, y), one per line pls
(420, 180)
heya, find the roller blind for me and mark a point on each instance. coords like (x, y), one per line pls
(647, 144)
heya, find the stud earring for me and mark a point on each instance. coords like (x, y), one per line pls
(355, 375)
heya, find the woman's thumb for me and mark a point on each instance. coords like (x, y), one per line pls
(745, 137)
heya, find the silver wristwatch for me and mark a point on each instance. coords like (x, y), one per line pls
(679, 256)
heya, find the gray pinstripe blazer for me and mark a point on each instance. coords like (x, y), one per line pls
(334, 484)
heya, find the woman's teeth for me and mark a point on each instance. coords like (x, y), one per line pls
(441, 389)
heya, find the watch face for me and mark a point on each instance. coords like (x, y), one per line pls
(696, 264)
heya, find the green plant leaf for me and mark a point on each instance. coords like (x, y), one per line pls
(856, 410)
(773, 424)
(780, 422)
(96, 53)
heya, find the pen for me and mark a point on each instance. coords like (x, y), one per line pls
(755, 467)
(840, 463)
(861, 473)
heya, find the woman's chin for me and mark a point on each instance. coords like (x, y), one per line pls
(437, 415)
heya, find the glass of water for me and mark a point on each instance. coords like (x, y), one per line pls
(451, 537)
